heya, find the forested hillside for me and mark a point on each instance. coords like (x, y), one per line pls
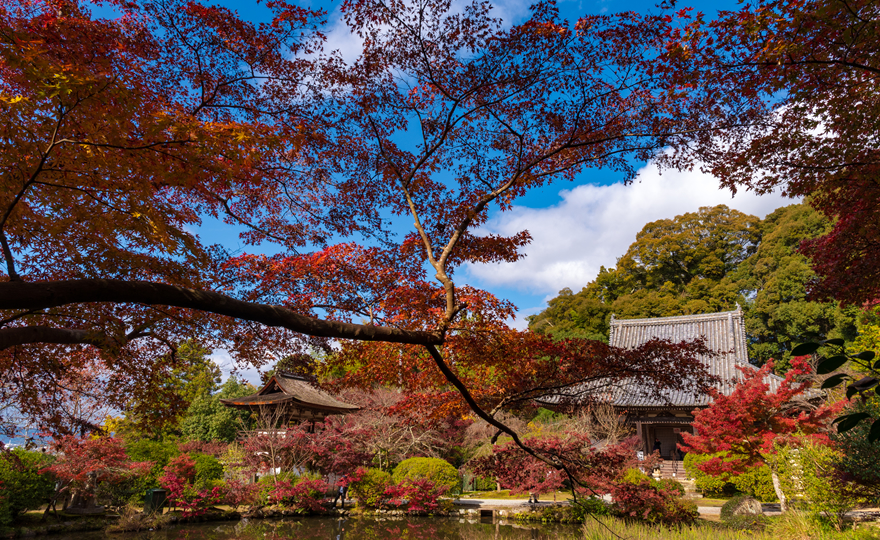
(708, 261)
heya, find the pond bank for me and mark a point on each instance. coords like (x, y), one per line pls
(496, 512)
(344, 527)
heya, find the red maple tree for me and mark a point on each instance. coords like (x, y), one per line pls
(791, 104)
(121, 135)
(82, 464)
(753, 420)
(179, 478)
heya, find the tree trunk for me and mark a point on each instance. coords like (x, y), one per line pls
(777, 487)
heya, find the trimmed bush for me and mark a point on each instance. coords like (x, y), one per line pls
(756, 482)
(565, 514)
(635, 476)
(208, 468)
(589, 506)
(24, 487)
(436, 470)
(369, 486)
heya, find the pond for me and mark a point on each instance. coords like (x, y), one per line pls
(320, 528)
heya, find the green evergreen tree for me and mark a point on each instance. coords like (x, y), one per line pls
(775, 282)
(192, 375)
(207, 419)
(709, 261)
(675, 267)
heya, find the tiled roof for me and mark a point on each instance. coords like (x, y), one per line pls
(724, 333)
(286, 388)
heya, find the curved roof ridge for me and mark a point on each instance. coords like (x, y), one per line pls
(289, 388)
(679, 318)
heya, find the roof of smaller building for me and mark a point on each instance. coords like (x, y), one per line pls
(286, 388)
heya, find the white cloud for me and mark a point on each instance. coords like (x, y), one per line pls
(340, 38)
(594, 225)
(246, 372)
(350, 45)
(519, 321)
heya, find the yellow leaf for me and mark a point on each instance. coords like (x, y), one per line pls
(15, 99)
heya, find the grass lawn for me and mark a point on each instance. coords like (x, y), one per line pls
(710, 502)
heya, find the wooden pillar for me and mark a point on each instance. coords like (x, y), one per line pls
(641, 435)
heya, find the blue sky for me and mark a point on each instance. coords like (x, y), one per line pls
(576, 226)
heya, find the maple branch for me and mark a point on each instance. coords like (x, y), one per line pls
(7, 320)
(121, 147)
(19, 295)
(472, 403)
(11, 337)
(229, 212)
(500, 426)
(438, 265)
(792, 62)
(7, 254)
(42, 163)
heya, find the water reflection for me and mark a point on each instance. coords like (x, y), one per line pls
(361, 529)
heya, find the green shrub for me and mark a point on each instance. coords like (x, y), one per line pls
(160, 453)
(436, 470)
(756, 481)
(208, 468)
(592, 506)
(547, 416)
(119, 494)
(635, 476)
(23, 486)
(809, 472)
(707, 484)
(564, 514)
(5, 511)
(370, 489)
(208, 485)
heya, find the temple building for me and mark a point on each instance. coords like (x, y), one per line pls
(291, 399)
(666, 417)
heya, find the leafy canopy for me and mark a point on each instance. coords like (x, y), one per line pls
(122, 135)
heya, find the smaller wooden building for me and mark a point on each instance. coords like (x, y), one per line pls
(291, 399)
